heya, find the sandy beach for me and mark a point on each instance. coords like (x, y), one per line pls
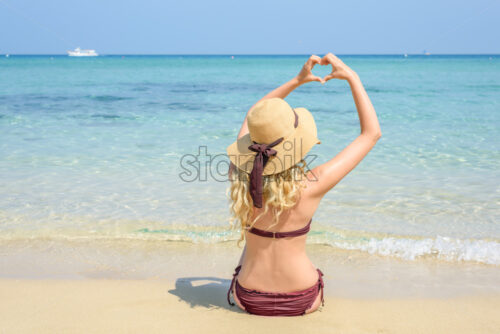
(159, 306)
(55, 286)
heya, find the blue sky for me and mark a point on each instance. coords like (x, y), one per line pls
(249, 27)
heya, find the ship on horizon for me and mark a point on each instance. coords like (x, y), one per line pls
(82, 53)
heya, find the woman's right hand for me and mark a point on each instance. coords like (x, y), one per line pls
(305, 74)
(339, 69)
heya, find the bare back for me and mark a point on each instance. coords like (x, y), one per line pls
(281, 265)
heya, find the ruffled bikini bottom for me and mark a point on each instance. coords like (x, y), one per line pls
(276, 303)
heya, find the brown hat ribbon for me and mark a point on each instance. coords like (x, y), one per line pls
(264, 152)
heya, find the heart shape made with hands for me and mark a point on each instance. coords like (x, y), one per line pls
(339, 69)
(322, 70)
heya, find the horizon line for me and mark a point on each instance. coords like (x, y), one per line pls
(259, 54)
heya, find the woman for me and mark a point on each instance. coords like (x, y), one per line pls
(274, 198)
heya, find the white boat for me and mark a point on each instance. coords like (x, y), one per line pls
(82, 53)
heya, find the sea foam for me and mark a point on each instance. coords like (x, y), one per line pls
(441, 247)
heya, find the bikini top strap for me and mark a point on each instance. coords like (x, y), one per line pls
(269, 234)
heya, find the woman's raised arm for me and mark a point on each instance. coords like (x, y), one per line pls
(305, 75)
(327, 175)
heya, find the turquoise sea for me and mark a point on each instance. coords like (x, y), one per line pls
(91, 148)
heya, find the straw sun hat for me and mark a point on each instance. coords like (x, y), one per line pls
(279, 137)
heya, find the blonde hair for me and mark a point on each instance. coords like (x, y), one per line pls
(280, 191)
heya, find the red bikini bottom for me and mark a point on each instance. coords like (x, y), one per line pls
(276, 303)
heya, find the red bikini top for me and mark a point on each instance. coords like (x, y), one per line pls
(269, 234)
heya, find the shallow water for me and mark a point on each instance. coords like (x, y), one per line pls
(92, 148)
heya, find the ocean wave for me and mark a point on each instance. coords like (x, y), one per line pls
(108, 98)
(111, 116)
(440, 247)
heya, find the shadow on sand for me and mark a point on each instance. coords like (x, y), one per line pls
(209, 292)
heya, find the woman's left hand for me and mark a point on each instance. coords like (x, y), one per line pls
(305, 74)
